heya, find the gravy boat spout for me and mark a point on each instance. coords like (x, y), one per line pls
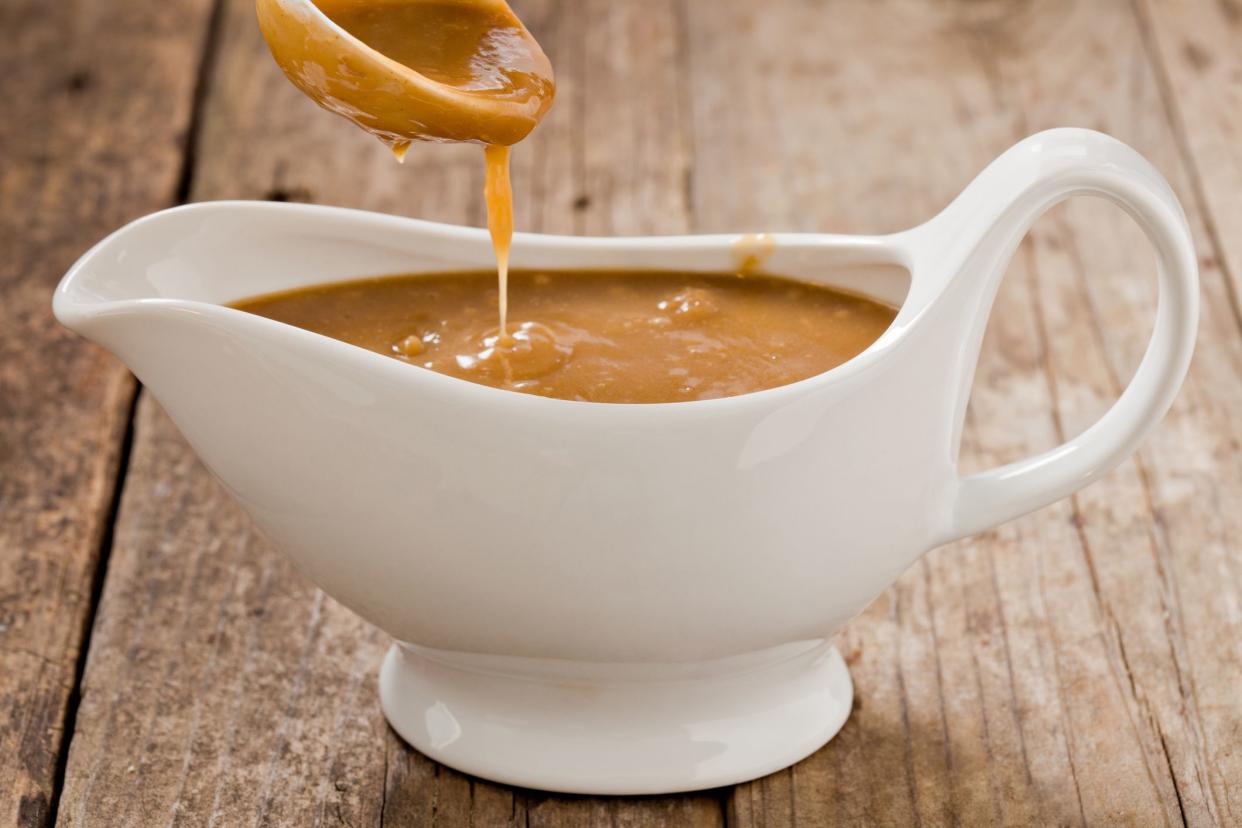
(611, 598)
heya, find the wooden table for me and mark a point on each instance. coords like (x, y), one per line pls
(159, 664)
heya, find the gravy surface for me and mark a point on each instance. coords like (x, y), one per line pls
(600, 336)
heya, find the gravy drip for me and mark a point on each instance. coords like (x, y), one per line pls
(602, 336)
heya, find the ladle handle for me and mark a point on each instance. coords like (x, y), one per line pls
(984, 226)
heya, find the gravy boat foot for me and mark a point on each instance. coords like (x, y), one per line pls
(617, 728)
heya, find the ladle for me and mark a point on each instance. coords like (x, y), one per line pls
(407, 70)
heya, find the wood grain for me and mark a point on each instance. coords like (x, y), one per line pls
(1195, 46)
(1077, 666)
(97, 103)
(222, 687)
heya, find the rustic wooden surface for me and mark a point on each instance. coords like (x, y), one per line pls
(93, 134)
(1081, 665)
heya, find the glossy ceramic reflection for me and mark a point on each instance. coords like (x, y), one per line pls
(613, 598)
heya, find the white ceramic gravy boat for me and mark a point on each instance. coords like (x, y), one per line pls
(614, 598)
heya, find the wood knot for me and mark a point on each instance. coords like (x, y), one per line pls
(78, 82)
(298, 194)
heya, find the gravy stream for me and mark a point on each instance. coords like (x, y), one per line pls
(601, 336)
(499, 196)
(466, 70)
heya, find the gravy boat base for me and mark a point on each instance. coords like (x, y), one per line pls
(584, 728)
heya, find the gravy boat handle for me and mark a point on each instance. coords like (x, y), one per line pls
(971, 243)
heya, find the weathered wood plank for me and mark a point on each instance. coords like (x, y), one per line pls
(1078, 665)
(1197, 45)
(223, 687)
(97, 100)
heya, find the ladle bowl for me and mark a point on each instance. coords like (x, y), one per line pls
(393, 101)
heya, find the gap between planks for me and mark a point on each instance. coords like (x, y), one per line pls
(184, 183)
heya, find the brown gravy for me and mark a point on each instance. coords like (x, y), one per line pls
(472, 48)
(460, 43)
(490, 82)
(474, 73)
(498, 194)
(622, 337)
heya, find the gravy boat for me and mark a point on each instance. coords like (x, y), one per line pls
(606, 598)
